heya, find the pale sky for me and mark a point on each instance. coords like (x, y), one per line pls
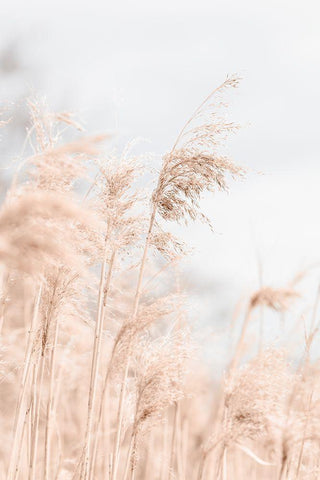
(142, 67)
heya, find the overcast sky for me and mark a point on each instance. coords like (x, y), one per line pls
(142, 67)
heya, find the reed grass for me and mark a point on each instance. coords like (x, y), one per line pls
(101, 377)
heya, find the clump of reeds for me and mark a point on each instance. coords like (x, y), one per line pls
(100, 378)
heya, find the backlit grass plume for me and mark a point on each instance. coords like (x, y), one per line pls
(195, 163)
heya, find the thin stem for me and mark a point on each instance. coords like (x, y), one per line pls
(128, 460)
(105, 297)
(133, 317)
(35, 433)
(195, 113)
(174, 441)
(184, 447)
(95, 365)
(20, 409)
(164, 451)
(21, 441)
(50, 403)
(304, 435)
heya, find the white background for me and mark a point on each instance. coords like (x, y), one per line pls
(142, 67)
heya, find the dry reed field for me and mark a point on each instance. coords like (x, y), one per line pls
(101, 377)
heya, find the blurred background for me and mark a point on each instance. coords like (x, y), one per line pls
(142, 67)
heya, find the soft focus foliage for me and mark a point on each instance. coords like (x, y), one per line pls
(100, 375)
